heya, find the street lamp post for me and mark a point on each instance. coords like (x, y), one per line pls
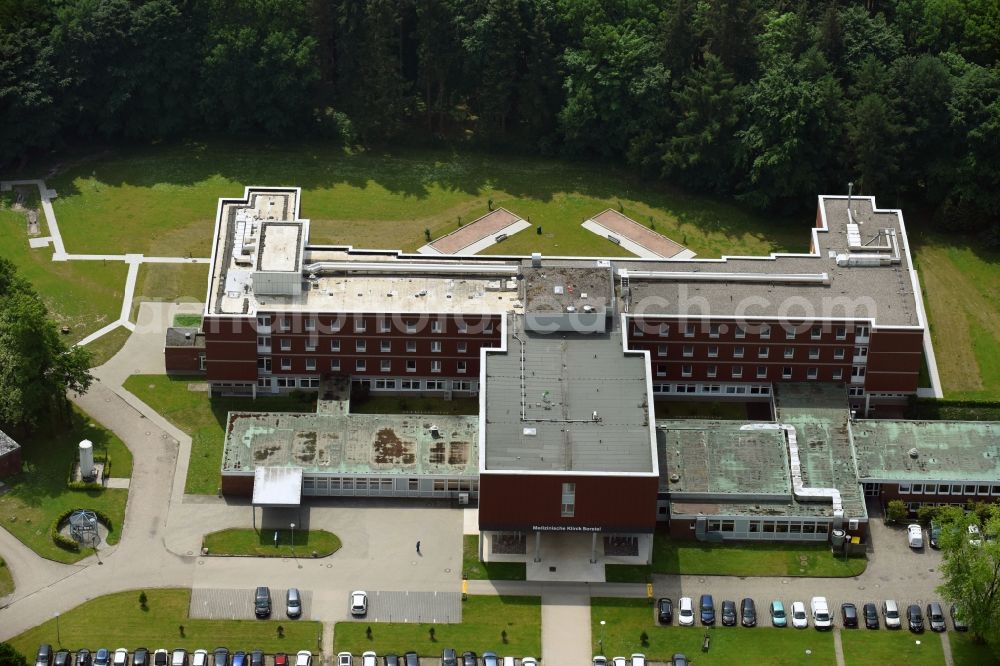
(601, 641)
(58, 638)
(293, 539)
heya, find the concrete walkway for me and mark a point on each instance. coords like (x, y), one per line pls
(838, 646)
(566, 636)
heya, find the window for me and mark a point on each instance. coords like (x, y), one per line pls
(461, 367)
(789, 333)
(713, 330)
(688, 351)
(685, 371)
(816, 333)
(786, 372)
(904, 489)
(264, 341)
(286, 364)
(812, 373)
(942, 488)
(461, 386)
(411, 346)
(763, 352)
(311, 344)
(861, 352)
(310, 364)
(264, 321)
(689, 331)
(858, 371)
(385, 346)
(982, 490)
(463, 328)
(664, 330)
(661, 350)
(841, 333)
(286, 344)
(384, 326)
(435, 385)
(335, 345)
(738, 352)
(411, 366)
(765, 332)
(436, 326)
(462, 348)
(359, 325)
(789, 352)
(661, 370)
(488, 328)
(761, 372)
(740, 333)
(310, 324)
(411, 384)
(436, 346)
(568, 509)
(838, 373)
(918, 488)
(737, 371)
(713, 351)
(712, 371)
(637, 330)
(956, 489)
(814, 353)
(335, 326)
(360, 345)
(360, 365)
(435, 366)
(335, 365)
(862, 332)
(969, 490)
(411, 327)
(286, 324)
(838, 354)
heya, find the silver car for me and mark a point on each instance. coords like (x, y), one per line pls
(293, 603)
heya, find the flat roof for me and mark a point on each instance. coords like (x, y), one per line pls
(625, 226)
(277, 486)
(280, 246)
(184, 336)
(339, 443)
(945, 450)
(475, 231)
(718, 457)
(553, 289)
(563, 380)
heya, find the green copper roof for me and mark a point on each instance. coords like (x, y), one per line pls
(945, 450)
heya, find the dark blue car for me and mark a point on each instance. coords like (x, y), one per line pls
(707, 607)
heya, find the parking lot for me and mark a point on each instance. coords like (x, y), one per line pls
(237, 604)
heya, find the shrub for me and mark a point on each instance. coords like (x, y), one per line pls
(66, 543)
(895, 512)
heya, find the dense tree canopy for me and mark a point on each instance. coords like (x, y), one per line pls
(36, 366)
(768, 100)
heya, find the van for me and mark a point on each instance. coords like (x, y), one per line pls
(891, 613)
(820, 613)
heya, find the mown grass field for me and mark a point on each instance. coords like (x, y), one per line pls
(116, 620)
(506, 625)
(39, 494)
(475, 569)
(261, 543)
(204, 419)
(892, 648)
(6, 580)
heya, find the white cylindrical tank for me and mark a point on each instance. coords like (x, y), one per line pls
(86, 459)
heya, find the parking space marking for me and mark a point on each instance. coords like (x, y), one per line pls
(238, 603)
(436, 607)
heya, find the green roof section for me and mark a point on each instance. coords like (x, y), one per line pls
(927, 450)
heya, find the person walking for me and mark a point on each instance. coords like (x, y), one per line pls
(418, 548)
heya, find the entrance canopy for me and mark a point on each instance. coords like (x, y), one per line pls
(277, 486)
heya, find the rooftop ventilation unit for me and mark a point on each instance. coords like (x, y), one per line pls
(536, 259)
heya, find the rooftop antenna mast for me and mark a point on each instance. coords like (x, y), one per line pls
(850, 192)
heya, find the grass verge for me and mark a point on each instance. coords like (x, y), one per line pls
(506, 625)
(105, 347)
(672, 556)
(261, 543)
(628, 573)
(187, 320)
(120, 622)
(204, 419)
(626, 620)
(475, 569)
(6, 580)
(39, 493)
(965, 651)
(891, 648)
(412, 405)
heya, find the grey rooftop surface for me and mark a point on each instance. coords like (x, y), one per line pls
(945, 450)
(184, 336)
(565, 379)
(717, 457)
(554, 289)
(352, 443)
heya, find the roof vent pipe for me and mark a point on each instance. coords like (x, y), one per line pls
(850, 192)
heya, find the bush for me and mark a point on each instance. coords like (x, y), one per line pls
(67, 543)
(925, 514)
(895, 512)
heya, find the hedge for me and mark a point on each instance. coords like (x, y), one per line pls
(68, 543)
(956, 410)
(88, 485)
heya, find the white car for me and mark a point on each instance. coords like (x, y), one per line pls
(345, 659)
(303, 658)
(799, 618)
(121, 657)
(915, 536)
(820, 613)
(529, 661)
(685, 612)
(638, 659)
(975, 536)
(619, 661)
(199, 658)
(359, 603)
(369, 659)
(599, 660)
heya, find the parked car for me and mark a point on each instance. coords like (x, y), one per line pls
(664, 610)
(199, 658)
(44, 655)
(490, 659)
(778, 618)
(359, 603)
(280, 659)
(599, 660)
(179, 657)
(935, 616)
(303, 658)
(345, 659)
(820, 613)
(393, 660)
(849, 615)
(619, 661)
(64, 658)
(469, 659)
(915, 535)
(706, 607)
(257, 658)
(83, 658)
(748, 613)
(914, 619)
(685, 612)
(141, 657)
(293, 603)
(120, 657)
(728, 613)
(870, 611)
(799, 618)
(957, 619)
(102, 657)
(448, 658)
(679, 659)
(369, 659)
(975, 536)
(638, 659)
(934, 534)
(239, 658)
(890, 611)
(531, 661)
(412, 659)
(220, 656)
(262, 602)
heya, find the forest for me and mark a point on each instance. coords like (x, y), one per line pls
(770, 102)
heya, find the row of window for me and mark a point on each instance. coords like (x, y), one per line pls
(376, 384)
(383, 484)
(360, 346)
(948, 489)
(736, 372)
(688, 351)
(717, 389)
(360, 365)
(309, 324)
(641, 328)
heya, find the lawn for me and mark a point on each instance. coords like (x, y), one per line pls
(105, 347)
(961, 284)
(485, 623)
(188, 320)
(39, 494)
(414, 405)
(679, 409)
(627, 619)
(116, 620)
(750, 559)
(261, 543)
(163, 200)
(474, 569)
(966, 652)
(6, 580)
(181, 283)
(204, 419)
(891, 648)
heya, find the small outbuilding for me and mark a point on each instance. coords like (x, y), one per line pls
(10, 456)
